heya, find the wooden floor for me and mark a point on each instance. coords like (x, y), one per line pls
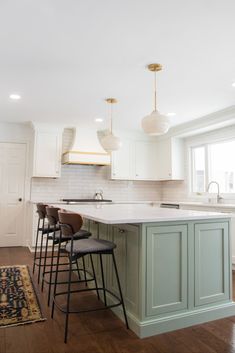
(102, 332)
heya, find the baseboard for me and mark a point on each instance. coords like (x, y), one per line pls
(155, 326)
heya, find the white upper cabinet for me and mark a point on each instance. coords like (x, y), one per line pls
(145, 166)
(135, 160)
(121, 162)
(170, 159)
(149, 160)
(47, 151)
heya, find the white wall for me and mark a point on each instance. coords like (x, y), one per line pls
(10, 132)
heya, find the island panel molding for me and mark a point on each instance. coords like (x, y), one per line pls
(167, 269)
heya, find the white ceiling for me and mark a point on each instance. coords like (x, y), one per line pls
(65, 56)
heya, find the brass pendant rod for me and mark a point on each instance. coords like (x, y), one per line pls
(111, 101)
(155, 92)
(154, 68)
(111, 118)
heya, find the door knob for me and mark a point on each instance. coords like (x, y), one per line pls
(20, 199)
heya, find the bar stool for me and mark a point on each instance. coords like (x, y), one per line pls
(57, 239)
(43, 230)
(79, 249)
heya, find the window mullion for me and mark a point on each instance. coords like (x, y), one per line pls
(207, 168)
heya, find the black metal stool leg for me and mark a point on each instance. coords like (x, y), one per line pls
(45, 260)
(51, 268)
(103, 282)
(36, 246)
(84, 270)
(68, 294)
(79, 276)
(120, 290)
(56, 276)
(94, 275)
(40, 254)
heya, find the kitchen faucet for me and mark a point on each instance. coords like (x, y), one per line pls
(218, 198)
(98, 195)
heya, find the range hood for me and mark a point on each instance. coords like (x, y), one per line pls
(85, 148)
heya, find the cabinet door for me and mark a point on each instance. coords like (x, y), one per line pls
(121, 162)
(170, 159)
(166, 284)
(211, 256)
(163, 157)
(145, 167)
(126, 237)
(47, 154)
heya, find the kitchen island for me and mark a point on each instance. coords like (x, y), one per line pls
(175, 265)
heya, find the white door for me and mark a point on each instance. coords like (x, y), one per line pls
(12, 187)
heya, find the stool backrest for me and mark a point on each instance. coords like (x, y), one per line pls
(70, 222)
(52, 215)
(41, 210)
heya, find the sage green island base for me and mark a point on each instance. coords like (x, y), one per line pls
(173, 274)
(174, 265)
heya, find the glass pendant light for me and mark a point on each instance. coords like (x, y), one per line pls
(155, 123)
(110, 142)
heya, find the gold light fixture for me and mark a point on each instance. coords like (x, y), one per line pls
(155, 123)
(109, 141)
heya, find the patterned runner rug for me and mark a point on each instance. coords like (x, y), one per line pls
(18, 301)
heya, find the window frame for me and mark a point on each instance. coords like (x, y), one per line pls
(191, 167)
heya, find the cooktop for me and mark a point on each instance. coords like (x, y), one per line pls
(84, 200)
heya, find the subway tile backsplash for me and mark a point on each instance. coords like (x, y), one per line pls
(81, 181)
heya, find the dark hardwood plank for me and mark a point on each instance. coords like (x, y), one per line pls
(15, 339)
(2, 340)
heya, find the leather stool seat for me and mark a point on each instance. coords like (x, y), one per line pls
(86, 246)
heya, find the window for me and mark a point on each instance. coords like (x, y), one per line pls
(214, 162)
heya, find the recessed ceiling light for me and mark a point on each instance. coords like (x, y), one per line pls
(15, 96)
(171, 114)
(99, 120)
(233, 84)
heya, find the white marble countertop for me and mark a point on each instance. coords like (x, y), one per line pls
(138, 213)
